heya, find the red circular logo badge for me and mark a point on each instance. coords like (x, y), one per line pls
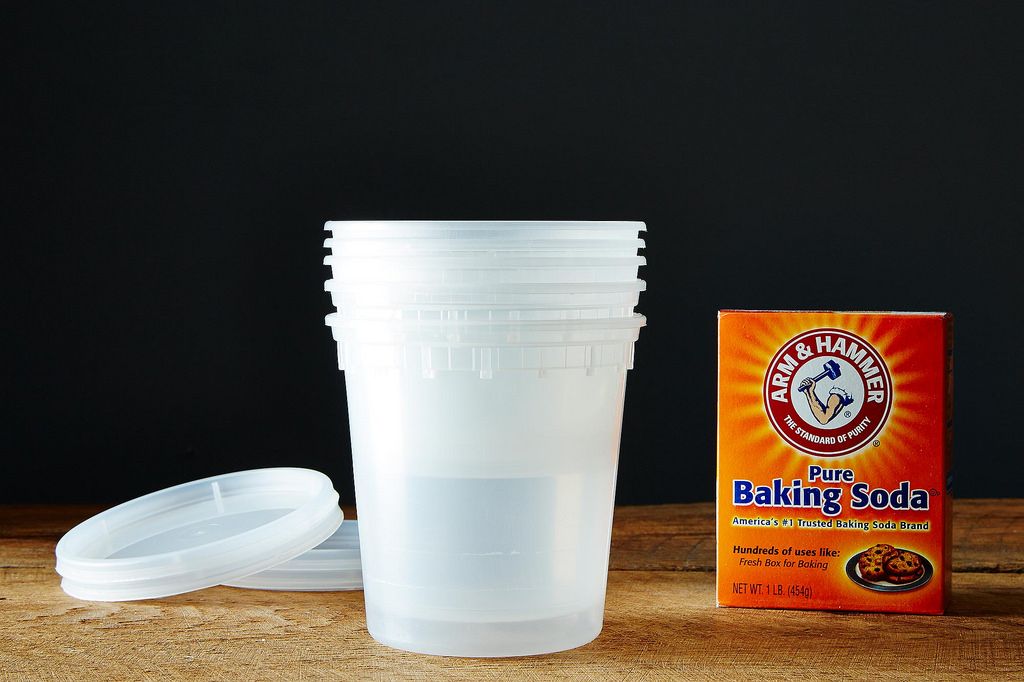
(827, 392)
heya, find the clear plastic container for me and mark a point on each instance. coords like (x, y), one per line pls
(485, 479)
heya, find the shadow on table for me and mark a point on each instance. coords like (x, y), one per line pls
(977, 601)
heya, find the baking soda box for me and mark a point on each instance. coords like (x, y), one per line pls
(834, 460)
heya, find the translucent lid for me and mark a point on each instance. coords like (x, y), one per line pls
(521, 247)
(484, 229)
(633, 322)
(452, 314)
(512, 289)
(508, 296)
(198, 534)
(334, 565)
(485, 272)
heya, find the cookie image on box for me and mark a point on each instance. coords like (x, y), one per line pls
(885, 568)
(872, 571)
(903, 564)
(879, 552)
(871, 564)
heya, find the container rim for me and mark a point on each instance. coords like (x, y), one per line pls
(634, 321)
(634, 225)
(450, 262)
(636, 285)
(496, 243)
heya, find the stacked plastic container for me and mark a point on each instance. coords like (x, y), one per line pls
(485, 364)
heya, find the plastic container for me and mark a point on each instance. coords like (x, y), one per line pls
(485, 458)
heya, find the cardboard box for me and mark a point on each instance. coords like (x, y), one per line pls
(834, 448)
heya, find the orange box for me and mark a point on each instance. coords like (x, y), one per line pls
(834, 449)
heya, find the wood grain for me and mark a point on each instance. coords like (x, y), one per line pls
(660, 622)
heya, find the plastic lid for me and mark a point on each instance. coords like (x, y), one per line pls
(569, 247)
(460, 288)
(447, 260)
(631, 322)
(333, 565)
(551, 229)
(198, 534)
(504, 297)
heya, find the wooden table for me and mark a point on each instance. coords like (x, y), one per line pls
(661, 621)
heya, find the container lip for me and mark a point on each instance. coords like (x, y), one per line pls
(634, 225)
(484, 307)
(634, 321)
(636, 285)
(515, 349)
(412, 244)
(449, 262)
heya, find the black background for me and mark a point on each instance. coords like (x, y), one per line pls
(168, 168)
